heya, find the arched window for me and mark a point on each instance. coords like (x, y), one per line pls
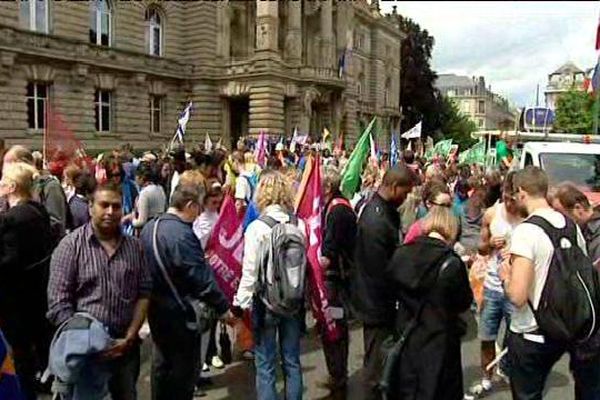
(100, 22)
(155, 32)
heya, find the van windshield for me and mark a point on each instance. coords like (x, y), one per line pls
(583, 170)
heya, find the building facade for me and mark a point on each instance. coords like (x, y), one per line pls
(122, 71)
(567, 77)
(488, 110)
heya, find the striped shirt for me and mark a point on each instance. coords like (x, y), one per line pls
(84, 278)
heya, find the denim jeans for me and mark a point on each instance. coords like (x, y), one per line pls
(267, 330)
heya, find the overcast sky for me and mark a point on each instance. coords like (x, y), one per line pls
(513, 44)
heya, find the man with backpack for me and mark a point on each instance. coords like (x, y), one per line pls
(339, 232)
(272, 284)
(554, 287)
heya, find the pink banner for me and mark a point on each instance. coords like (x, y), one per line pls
(309, 209)
(225, 248)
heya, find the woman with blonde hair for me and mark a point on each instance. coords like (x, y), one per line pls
(25, 249)
(275, 203)
(430, 282)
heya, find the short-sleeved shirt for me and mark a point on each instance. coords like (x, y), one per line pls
(530, 241)
(502, 151)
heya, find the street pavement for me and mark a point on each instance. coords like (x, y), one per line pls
(236, 381)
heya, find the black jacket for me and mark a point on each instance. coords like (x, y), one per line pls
(25, 249)
(430, 365)
(339, 236)
(181, 253)
(377, 238)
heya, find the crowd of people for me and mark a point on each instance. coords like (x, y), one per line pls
(92, 251)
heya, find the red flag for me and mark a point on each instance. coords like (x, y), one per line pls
(339, 143)
(309, 208)
(61, 145)
(225, 248)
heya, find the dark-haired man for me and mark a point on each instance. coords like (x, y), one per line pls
(378, 236)
(99, 271)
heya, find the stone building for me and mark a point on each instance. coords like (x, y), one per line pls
(567, 77)
(488, 110)
(122, 71)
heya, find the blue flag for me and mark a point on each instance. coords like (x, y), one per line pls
(394, 150)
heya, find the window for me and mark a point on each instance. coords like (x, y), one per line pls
(102, 108)
(480, 123)
(359, 85)
(386, 93)
(481, 108)
(100, 23)
(528, 159)
(37, 93)
(34, 15)
(155, 107)
(154, 32)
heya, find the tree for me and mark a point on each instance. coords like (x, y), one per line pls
(454, 124)
(417, 92)
(574, 112)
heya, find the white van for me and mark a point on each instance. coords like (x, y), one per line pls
(578, 163)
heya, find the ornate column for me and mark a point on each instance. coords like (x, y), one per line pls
(224, 30)
(293, 38)
(327, 33)
(266, 25)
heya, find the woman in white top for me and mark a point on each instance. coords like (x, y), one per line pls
(203, 227)
(151, 200)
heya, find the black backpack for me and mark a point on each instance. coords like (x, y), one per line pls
(569, 305)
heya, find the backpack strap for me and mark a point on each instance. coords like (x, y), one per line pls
(555, 234)
(338, 201)
(270, 221)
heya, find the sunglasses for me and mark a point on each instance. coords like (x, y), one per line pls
(433, 203)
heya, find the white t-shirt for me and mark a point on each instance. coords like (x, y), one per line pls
(530, 241)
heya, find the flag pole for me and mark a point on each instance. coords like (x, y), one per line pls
(45, 138)
(595, 107)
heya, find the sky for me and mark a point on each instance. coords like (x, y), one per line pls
(513, 44)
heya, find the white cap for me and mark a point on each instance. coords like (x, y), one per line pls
(279, 147)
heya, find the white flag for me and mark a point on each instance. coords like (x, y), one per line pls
(182, 121)
(413, 133)
(294, 140)
(207, 143)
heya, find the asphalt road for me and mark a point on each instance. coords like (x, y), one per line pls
(236, 382)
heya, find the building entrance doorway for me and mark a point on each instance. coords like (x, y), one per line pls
(239, 111)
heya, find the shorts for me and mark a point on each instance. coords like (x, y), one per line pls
(496, 306)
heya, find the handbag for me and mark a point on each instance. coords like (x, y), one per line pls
(225, 345)
(202, 312)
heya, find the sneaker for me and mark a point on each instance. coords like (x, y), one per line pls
(479, 390)
(217, 362)
(205, 367)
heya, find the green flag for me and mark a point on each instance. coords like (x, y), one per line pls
(463, 156)
(442, 148)
(354, 167)
(477, 154)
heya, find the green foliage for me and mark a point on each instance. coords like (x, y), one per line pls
(574, 112)
(419, 98)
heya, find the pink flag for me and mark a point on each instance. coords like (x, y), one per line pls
(309, 208)
(261, 149)
(225, 248)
